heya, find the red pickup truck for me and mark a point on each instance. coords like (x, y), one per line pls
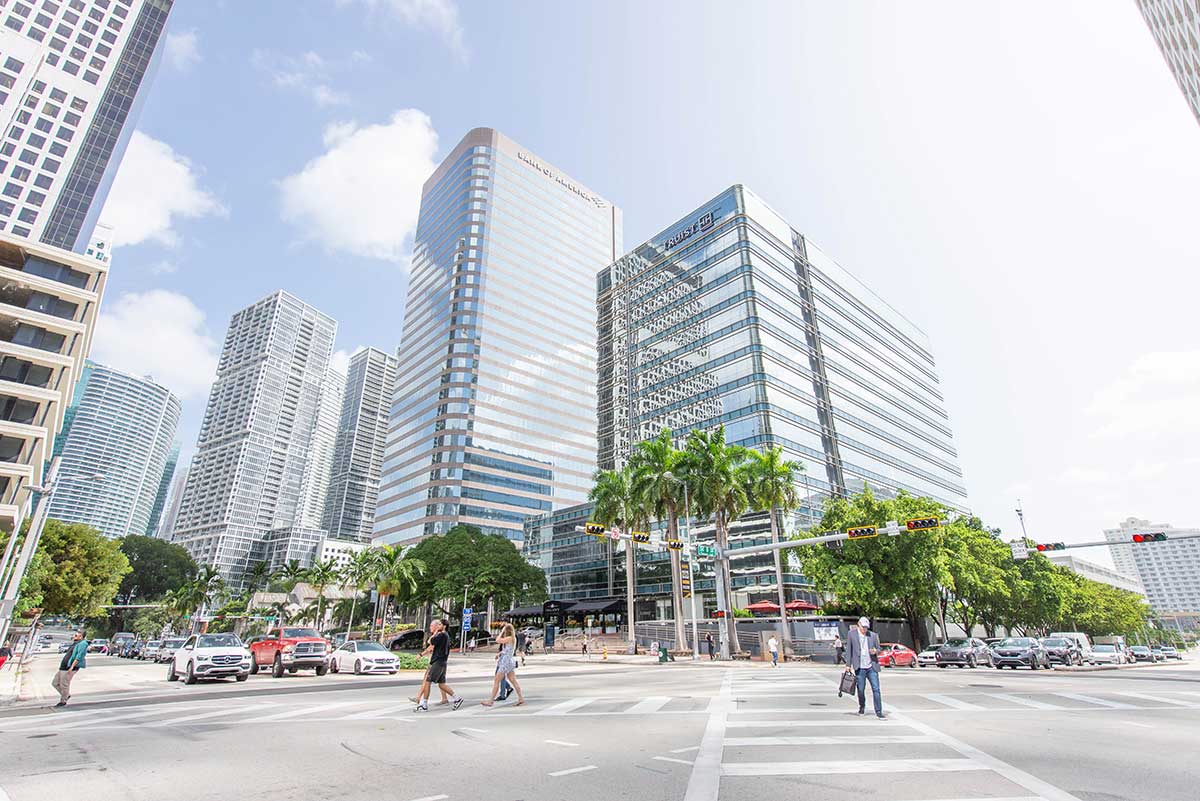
(291, 649)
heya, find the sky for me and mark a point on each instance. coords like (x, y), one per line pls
(1018, 179)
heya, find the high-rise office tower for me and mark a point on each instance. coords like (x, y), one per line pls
(362, 431)
(174, 499)
(1175, 25)
(314, 490)
(1168, 569)
(164, 489)
(123, 429)
(247, 475)
(73, 75)
(493, 417)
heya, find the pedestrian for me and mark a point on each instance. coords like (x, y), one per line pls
(73, 661)
(712, 650)
(585, 648)
(864, 661)
(839, 649)
(5, 653)
(438, 652)
(471, 644)
(506, 665)
(773, 647)
(522, 640)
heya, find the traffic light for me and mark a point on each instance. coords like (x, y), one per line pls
(595, 529)
(862, 532)
(1157, 536)
(922, 523)
(640, 536)
(675, 545)
(1051, 546)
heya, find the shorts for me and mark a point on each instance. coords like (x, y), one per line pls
(436, 673)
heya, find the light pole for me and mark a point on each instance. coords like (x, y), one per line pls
(12, 585)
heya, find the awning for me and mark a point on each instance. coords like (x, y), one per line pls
(524, 611)
(599, 606)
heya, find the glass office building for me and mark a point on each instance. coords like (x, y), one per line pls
(494, 413)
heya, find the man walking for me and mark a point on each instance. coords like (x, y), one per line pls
(839, 650)
(773, 647)
(74, 660)
(438, 652)
(864, 661)
(712, 651)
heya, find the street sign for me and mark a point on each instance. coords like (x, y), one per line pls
(468, 613)
(675, 545)
(825, 629)
(862, 532)
(1019, 550)
(685, 583)
(640, 536)
(892, 529)
(467, 624)
(706, 550)
(614, 533)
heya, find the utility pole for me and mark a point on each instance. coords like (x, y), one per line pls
(1021, 516)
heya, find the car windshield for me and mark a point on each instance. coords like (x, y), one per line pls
(1054, 642)
(957, 643)
(173, 643)
(300, 633)
(218, 641)
(1141, 649)
(370, 646)
(1018, 642)
(1105, 648)
(100, 640)
(153, 643)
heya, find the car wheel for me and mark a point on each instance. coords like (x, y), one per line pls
(913, 663)
(322, 670)
(293, 670)
(171, 675)
(973, 662)
(242, 676)
(277, 667)
(253, 663)
(191, 675)
(333, 665)
(357, 667)
(943, 666)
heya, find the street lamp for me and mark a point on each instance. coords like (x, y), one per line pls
(687, 519)
(11, 584)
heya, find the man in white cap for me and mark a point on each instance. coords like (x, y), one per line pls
(863, 653)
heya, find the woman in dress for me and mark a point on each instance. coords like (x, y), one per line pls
(506, 665)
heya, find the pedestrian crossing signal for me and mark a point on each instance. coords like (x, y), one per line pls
(675, 545)
(862, 532)
(640, 536)
(922, 523)
(595, 529)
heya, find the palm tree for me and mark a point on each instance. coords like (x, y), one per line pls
(773, 490)
(321, 575)
(396, 574)
(290, 574)
(257, 577)
(359, 573)
(716, 473)
(657, 481)
(617, 505)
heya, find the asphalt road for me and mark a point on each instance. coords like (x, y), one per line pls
(641, 732)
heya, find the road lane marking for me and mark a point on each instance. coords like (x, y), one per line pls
(1029, 702)
(443, 797)
(952, 702)
(704, 784)
(788, 724)
(849, 766)
(295, 713)
(1087, 699)
(648, 705)
(206, 715)
(565, 707)
(470, 728)
(881, 739)
(672, 759)
(1156, 699)
(382, 712)
(569, 771)
(563, 743)
(142, 714)
(685, 750)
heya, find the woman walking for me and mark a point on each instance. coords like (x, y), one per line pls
(506, 665)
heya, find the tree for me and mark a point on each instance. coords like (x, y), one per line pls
(485, 565)
(976, 563)
(84, 569)
(149, 623)
(716, 474)
(157, 567)
(657, 482)
(617, 505)
(40, 567)
(258, 577)
(359, 573)
(773, 490)
(290, 574)
(321, 575)
(397, 575)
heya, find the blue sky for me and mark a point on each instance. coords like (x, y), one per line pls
(1022, 185)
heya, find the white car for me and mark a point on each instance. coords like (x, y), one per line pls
(210, 656)
(928, 656)
(363, 656)
(150, 650)
(167, 650)
(1107, 654)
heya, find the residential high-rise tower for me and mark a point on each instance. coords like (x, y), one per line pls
(164, 489)
(1175, 25)
(493, 417)
(1169, 569)
(72, 80)
(254, 445)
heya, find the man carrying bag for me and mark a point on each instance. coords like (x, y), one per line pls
(863, 659)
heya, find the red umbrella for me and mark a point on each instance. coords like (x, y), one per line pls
(763, 606)
(797, 606)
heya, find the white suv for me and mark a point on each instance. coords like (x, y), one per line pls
(210, 656)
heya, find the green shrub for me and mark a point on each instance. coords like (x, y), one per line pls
(410, 662)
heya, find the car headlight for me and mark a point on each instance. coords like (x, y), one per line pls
(287, 649)
(202, 658)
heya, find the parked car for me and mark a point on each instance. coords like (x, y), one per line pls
(1171, 652)
(363, 656)
(893, 654)
(1062, 651)
(928, 656)
(964, 652)
(1015, 652)
(166, 651)
(290, 648)
(1107, 654)
(98, 646)
(1081, 640)
(408, 641)
(1143, 654)
(150, 650)
(210, 656)
(1157, 652)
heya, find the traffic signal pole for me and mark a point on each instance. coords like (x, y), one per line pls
(1097, 543)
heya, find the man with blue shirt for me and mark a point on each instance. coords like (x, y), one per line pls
(74, 660)
(863, 653)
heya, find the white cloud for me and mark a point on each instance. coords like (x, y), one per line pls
(309, 73)
(440, 16)
(161, 334)
(340, 361)
(1157, 395)
(154, 187)
(182, 50)
(164, 267)
(363, 193)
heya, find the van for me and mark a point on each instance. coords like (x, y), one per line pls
(1084, 642)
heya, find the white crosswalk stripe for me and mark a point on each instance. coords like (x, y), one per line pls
(648, 705)
(847, 766)
(1089, 699)
(1029, 702)
(953, 702)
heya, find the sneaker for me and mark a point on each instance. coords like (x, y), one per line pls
(61, 703)
(457, 704)
(420, 708)
(881, 716)
(862, 711)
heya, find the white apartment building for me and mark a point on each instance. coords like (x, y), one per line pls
(246, 479)
(170, 510)
(1095, 572)
(1175, 25)
(122, 428)
(1169, 570)
(362, 433)
(314, 491)
(73, 76)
